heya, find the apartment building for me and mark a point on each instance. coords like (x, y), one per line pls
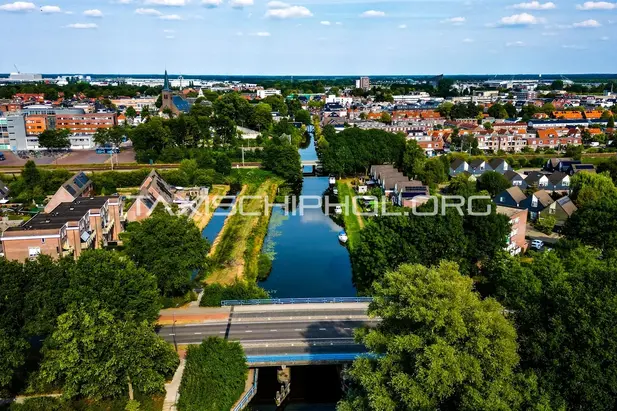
(518, 228)
(36, 124)
(4, 134)
(84, 124)
(137, 103)
(79, 185)
(68, 230)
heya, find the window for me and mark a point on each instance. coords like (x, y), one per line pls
(42, 241)
(33, 252)
(534, 201)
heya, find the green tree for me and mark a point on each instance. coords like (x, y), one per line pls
(546, 224)
(214, 376)
(54, 139)
(113, 136)
(493, 182)
(92, 354)
(587, 188)
(441, 346)
(610, 122)
(386, 118)
(413, 159)
(31, 174)
(303, 116)
(594, 223)
(116, 283)
(145, 112)
(170, 247)
(262, 117)
(461, 185)
(12, 357)
(557, 85)
(283, 160)
(130, 113)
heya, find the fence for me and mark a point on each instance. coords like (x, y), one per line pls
(249, 394)
(273, 301)
(306, 358)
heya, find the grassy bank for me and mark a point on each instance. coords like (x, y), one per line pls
(353, 223)
(202, 218)
(239, 244)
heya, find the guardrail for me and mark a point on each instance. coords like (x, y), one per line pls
(306, 358)
(273, 301)
(249, 394)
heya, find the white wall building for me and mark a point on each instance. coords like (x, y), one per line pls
(267, 93)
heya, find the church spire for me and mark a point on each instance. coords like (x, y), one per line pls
(166, 86)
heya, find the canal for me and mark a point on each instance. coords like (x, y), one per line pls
(308, 261)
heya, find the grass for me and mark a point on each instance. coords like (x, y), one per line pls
(203, 216)
(353, 223)
(236, 251)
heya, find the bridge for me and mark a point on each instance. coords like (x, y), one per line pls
(308, 163)
(279, 332)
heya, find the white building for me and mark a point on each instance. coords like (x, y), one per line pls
(267, 93)
(343, 101)
(247, 133)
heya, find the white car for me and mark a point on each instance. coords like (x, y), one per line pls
(537, 244)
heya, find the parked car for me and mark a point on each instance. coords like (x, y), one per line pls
(2, 158)
(537, 244)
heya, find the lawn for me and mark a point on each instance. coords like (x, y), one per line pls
(353, 223)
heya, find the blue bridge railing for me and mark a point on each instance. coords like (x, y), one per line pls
(249, 394)
(306, 358)
(324, 300)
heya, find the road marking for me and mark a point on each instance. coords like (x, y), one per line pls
(298, 329)
(172, 334)
(197, 333)
(322, 329)
(272, 331)
(221, 332)
(249, 331)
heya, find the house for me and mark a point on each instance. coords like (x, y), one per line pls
(375, 170)
(458, 166)
(499, 165)
(576, 168)
(4, 193)
(561, 209)
(515, 179)
(560, 164)
(518, 229)
(87, 222)
(410, 194)
(77, 186)
(478, 167)
(513, 197)
(538, 180)
(537, 202)
(559, 181)
(246, 133)
(389, 183)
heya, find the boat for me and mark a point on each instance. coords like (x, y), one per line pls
(342, 237)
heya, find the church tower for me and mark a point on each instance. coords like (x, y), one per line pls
(166, 94)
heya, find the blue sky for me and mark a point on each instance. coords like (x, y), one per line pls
(313, 37)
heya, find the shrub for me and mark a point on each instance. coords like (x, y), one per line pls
(264, 267)
(215, 293)
(214, 376)
(546, 224)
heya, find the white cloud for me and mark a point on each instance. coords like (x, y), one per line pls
(211, 3)
(281, 10)
(169, 31)
(373, 13)
(326, 23)
(524, 19)
(605, 38)
(261, 34)
(239, 4)
(170, 37)
(93, 13)
(82, 26)
(455, 20)
(549, 33)
(596, 5)
(50, 9)
(402, 26)
(338, 23)
(587, 24)
(148, 12)
(468, 40)
(515, 44)
(18, 6)
(535, 5)
(170, 17)
(171, 3)
(573, 46)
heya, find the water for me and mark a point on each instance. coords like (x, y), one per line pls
(215, 225)
(308, 261)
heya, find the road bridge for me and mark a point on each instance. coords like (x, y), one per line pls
(283, 334)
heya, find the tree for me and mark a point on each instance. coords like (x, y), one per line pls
(145, 112)
(546, 224)
(12, 357)
(51, 95)
(303, 116)
(214, 377)
(121, 288)
(610, 123)
(588, 188)
(413, 159)
(386, 118)
(493, 182)
(113, 136)
(576, 152)
(557, 85)
(283, 160)
(54, 139)
(510, 109)
(170, 247)
(159, 101)
(594, 223)
(95, 355)
(130, 113)
(31, 174)
(461, 185)
(262, 117)
(497, 111)
(441, 346)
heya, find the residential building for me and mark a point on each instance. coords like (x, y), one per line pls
(561, 209)
(410, 194)
(538, 180)
(4, 134)
(376, 169)
(516, 242)
(79, 185)
(577, 168)
(137, 103)
(559, 181)
(513, 197)
(364, 83)
(536, 203)
(16, 126)
(69, 229)
(85, 124)
(458, 166)
(560, 164)
(478, 167)
(499, 165)
(515, 179)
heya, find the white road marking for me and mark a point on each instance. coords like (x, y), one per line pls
(197, 333)
(249, 331)
(322, 329)
(298, 329)
(172, 334)
(221, 332)
(272, 331)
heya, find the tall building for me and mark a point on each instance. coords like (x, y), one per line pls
(4, 134)
(364, 83)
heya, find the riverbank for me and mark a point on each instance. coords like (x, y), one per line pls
(353, 223)
(236, 250)
(203, 216)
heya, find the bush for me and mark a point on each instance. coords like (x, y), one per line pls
(546, 224)
(215, 293)
(264, 267)
(214, 376)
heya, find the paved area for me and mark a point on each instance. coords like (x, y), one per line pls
(82, 157)
(127, 155)
(172, 388)
(534, 234)
(12, 160)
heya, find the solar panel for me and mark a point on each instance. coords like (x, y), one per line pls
(70, 189)
(81, 180)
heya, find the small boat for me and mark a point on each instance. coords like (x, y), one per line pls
(332, 180)
(342, 237)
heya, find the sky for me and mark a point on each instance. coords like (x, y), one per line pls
(308, 37)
